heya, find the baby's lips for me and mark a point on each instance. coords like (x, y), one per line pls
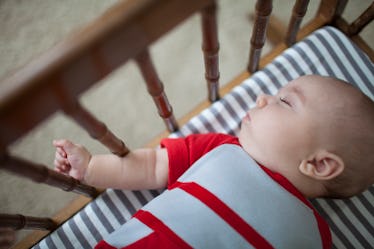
(247, 117)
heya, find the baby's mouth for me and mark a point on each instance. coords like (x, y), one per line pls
(247, 118)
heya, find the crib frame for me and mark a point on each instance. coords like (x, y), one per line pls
(48, 83)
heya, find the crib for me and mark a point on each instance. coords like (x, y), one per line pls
(327, 45)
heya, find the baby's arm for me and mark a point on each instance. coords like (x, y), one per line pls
(140, 169)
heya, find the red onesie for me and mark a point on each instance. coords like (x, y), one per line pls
(219, 197)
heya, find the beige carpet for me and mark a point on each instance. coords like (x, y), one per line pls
(29, 27)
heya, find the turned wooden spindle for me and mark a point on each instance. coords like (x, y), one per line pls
(298, 13)
(263, 11)
(97, 129)
(365, 18)
(156, 90)
(362, 21)
(42, 174)
(18, 221)
(210, 48)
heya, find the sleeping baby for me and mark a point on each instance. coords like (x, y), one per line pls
(313, 139)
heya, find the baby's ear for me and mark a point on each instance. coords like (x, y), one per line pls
(323, 165)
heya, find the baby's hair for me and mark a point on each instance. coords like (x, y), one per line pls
(355, 148)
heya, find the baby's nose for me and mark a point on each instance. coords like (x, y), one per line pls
(262, 100)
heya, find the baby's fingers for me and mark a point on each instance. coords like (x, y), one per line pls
(61, 152)
(61, 162)
(61, 157)
(60, 142)
(62, 168)
(65, 169)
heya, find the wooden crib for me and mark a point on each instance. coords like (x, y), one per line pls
(56, 80)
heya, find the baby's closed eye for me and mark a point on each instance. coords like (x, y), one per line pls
(285, 101)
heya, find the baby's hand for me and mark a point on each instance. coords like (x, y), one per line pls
(71, 159)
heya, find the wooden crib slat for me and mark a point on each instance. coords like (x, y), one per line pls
(63, 215)
(298, 13)
(97, 129)
(156, 89)
(330, 10)
(42, 174)
(364, 19)
(357, 25)
(210, 48)
(18, 221)
(263, 11)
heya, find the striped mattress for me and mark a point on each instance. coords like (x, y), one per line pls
(325, 52)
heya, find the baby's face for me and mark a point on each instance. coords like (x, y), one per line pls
(284, 129)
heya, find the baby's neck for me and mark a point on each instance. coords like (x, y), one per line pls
(308, 187)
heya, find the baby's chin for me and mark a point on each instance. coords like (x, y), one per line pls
(259, 157)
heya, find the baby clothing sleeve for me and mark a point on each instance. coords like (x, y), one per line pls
(183, 152)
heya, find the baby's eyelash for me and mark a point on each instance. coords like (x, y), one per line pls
(284, 100)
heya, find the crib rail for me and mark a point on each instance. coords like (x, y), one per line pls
(56, 80)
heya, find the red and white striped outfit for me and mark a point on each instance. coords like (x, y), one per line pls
(225, 200)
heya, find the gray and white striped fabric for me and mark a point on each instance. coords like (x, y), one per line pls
(325, 52)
